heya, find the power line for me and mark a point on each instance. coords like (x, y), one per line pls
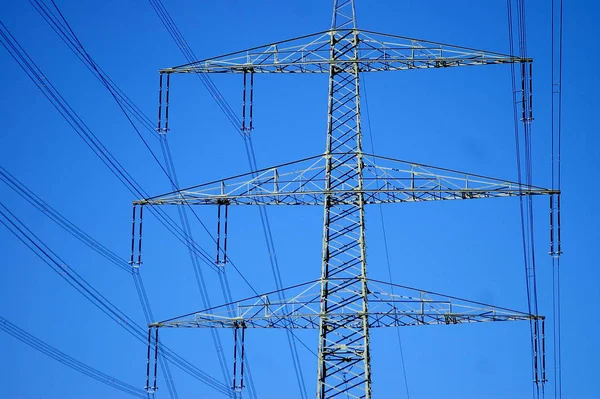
(68, 37)
(69, 361)
(93, 244)
(198, 274)
(168, 171)
(36, 75)
(71, 117)
(41, 205)
(126, 106)
(524, 167)
(44, 84)
(39, 248)
(188, 53)
(183, 234)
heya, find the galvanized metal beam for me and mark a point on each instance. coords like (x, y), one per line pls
(384, 180)
(301, 309)
(376, 52)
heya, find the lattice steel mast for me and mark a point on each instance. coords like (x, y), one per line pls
(343, 345)
(344, 180)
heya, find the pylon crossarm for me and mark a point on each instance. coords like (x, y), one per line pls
(376, 52)
(404, 306)
(385, 180)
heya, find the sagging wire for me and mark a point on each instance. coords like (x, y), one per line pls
(60, 356)
(85, 238)
(50, 92)
(184, 47)
(266, 225)
(189, 55)
(58, 265)
(526, 204)
(22, 190)
(69, 37)
(163, 129)
(35, 74)
(71, 117)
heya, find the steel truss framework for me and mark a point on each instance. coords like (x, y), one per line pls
(385, 180)
(301, 310)
(343, 304)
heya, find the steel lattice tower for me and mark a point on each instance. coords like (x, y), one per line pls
(343, 304)
(343, 345)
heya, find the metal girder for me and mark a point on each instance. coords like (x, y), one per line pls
(376, 52)
(390, 305)
(344, 347)
(385, 180)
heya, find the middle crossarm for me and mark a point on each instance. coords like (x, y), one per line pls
(406, 307)
(385, 180)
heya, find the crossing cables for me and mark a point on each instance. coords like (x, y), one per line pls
(58, 265)
(522, 91)
(231, 116)
(69, 361)
(54, 17)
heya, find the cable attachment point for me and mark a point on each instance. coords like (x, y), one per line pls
(539, 352)
(163, 112)
(136, 263)
(238, 325)
(526, 92)
(248, 106)
(222, 225)
(152, 364)
(555, 233)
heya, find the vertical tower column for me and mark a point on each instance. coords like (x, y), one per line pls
(344, 364)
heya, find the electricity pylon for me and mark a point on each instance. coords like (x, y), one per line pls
(343, 304)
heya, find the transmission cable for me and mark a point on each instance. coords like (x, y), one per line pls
(37, 76)
(93, 244)
(48, 256)
(168, 158)
(79, 126)
(188, 53)
(69, 361)
(43, 83)
(526, 204)
(66, 34)
(75, 45)
(70, 38)
(12, 182)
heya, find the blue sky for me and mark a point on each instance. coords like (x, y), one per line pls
(455, 118)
